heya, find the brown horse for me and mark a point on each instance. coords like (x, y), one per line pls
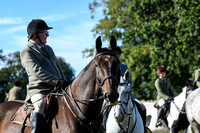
(78, 108)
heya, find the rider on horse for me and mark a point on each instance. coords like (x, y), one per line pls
(164, 93)
(43, 71)
(123, 68)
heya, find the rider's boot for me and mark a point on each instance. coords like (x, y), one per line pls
(37, 122)
(159, 118)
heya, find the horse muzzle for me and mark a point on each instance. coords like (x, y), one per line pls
(119, 117)
(111, 96)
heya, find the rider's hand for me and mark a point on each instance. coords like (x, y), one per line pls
(62, 84)
(65, 83)
(170, 99)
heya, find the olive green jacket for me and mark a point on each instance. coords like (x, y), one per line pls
(16, 93)
(43, 69)
(164, 89)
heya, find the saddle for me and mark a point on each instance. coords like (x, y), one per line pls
(23, 114)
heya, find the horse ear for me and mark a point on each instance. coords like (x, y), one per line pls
(186, 83)
(113, 43)
(98, 44)
(126, 75)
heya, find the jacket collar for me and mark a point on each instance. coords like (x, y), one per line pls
(34, 46)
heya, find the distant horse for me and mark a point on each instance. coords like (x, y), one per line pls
(193, 110)
(176, 119)
(124, 118)
(78, 108)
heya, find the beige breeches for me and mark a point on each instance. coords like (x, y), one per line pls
(39, 103)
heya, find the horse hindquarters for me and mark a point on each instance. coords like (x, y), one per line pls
(7, 111)
(193, 110)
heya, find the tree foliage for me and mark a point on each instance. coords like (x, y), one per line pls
(66, 68)
(2, 57)
(13, 70)
(153, 33)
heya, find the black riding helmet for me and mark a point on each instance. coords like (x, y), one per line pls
(35, 26)
(118, 50)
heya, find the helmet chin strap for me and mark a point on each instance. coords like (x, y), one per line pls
(39, 38)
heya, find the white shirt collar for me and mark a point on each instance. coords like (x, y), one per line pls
(36, 44)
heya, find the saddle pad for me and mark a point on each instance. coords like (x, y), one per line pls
(23, 115)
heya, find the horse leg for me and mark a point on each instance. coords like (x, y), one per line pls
(196, 127)
(174, 130)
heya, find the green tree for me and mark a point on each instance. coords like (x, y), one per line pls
(153, 32)
(13, 70)
(2, 57)
(66, 68)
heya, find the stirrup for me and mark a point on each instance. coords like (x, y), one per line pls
(159, 123)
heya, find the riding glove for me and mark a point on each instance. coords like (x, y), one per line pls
(62, 84)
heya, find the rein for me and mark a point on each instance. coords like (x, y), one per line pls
(129, 115)
(178, 108)
(78, 108)
(83, 118)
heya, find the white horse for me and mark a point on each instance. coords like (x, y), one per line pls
(176, 119)
(193, 110)
(124, 118)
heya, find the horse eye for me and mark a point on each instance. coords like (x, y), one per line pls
(96, 65)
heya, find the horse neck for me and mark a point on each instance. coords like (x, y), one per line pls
(85, 83)
(180, 99)
(85, 87)
(176, 106)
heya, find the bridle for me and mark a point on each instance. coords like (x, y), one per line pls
(83, 118)
(127, 113)
(101, 83)
(178, 109)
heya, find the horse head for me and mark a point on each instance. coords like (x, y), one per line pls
(107, 69)
(124, 98)
(190, 87)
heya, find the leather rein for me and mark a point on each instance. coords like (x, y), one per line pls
(128, 114)
(83, 118)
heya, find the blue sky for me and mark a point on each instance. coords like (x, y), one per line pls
(71, 23)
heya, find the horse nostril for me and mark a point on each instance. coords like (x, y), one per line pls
(106, 96)
(112, 97)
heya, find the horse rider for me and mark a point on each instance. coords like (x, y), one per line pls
(44, 72)
(197, 79)
(123, 68)
(16, 92)
(164, 93)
